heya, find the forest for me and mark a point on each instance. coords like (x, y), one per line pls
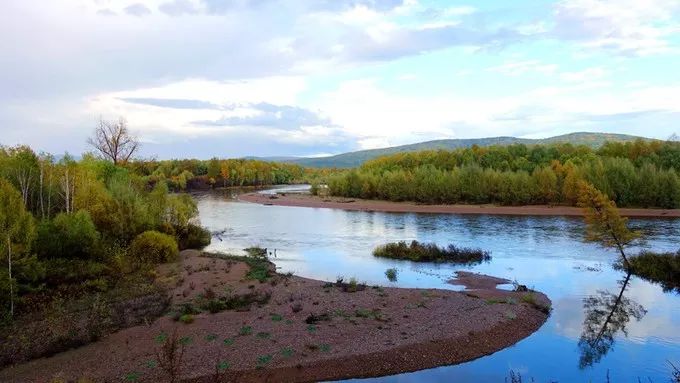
(633, 174)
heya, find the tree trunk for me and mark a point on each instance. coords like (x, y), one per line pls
(11, 283)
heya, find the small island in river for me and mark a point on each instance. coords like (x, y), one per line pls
(308, 200)
(236, 319)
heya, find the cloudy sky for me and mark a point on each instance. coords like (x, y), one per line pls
(228, 78)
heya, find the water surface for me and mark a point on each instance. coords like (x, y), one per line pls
(546, 253)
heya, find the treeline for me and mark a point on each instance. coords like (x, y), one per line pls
(637, 174)
(81, 226)
(202, 174)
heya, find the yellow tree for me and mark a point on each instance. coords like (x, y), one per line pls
(604, 224)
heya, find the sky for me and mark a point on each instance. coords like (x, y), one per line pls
(232, 78)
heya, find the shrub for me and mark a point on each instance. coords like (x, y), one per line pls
(152, 247)
(430, 252)
(391, 274)
(193, 237)
(67, 236)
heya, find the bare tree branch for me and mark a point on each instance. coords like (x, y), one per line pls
(113, 141)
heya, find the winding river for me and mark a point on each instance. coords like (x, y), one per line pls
(547, 253)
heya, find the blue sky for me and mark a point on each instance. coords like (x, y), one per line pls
(229, 78)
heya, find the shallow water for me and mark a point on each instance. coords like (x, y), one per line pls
(546, 253)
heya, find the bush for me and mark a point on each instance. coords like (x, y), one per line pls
(391, 274)
(152, 247)
(193, 237)
(67, 236)
(663, 268)
(430, 252)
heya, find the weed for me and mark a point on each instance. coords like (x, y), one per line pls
(263, 335)
(263, 360)
(325, 347)
(510, 315)
(151, 364)
(228, 341)
(287, 352)
(170, 355)
(132, 376)
(223, 365)
(161, 338)
(296, 307)
(210, 337)
(339, 279)
(313, 318)
(186, 318)
(245, 330)
(391, 274)
(276, 317)
(311, 328)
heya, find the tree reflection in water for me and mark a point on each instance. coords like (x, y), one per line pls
(605, 315)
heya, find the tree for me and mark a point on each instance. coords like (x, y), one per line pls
(604, 224)
(113, 141)
(16, 226)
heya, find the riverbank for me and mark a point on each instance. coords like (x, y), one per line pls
(308, 200)
(286, 328)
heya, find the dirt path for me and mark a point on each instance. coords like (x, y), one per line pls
(306, 331)
(306, 200)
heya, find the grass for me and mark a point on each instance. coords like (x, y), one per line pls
(210, 337)
(245, 330)
(186, 318)
(430, 252)
(324, 347)
(391, 274)
(661, 268)
(311, 328)
(263, 335)
(287, 352)
(264, 360)
(132, 376)
(228, 341)
(276, 317)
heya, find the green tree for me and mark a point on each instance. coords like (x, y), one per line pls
(17, 228)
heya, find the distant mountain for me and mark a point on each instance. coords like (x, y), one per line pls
(275, 158)
(353, 159)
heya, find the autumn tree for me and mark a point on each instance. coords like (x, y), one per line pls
(16, 226)
(113, 141)
(604, 224)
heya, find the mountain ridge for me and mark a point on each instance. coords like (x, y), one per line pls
(356, 158)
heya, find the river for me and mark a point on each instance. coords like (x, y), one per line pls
(546, 253)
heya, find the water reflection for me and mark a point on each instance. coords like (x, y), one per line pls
(546, 253)
(606, 314)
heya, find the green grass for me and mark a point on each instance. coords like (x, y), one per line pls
(276, 317)
(132, 376)
(264, 360)
(210, 337)
(151, 364)
(245, 330)
(324, 347)
(223, 365)
(186, 318)
(263, 335)
(287, 352)
(228, 341)
(311, 328)
(185, 340)
(161, 338)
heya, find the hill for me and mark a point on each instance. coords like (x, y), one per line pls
(353, 159)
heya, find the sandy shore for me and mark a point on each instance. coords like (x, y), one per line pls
(307, 331)
(306, 200)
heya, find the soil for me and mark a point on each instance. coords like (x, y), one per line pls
(307, 331)
(307, 200)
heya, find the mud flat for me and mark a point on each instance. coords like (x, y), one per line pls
(307, 200)
(287, 328)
